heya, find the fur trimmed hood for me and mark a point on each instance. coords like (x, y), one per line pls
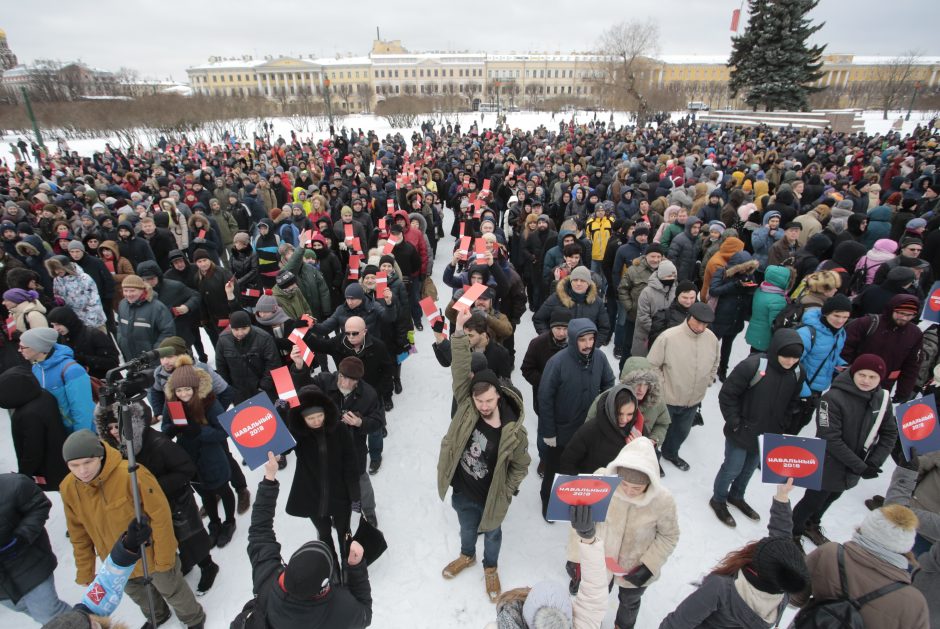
(205, 380)
(140, 416)
(563, 290)
(638, 369)
(741, 265)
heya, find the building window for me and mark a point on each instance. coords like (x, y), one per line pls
(215, 79)
(396, 87)
(435, 73)
(452, 72)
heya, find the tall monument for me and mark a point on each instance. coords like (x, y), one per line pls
(7, 58)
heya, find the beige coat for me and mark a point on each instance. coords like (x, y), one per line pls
(642, 530)
(687, 363)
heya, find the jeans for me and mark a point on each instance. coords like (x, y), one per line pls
(682, 418)
(376, 444)
(811, 508)
(469, 514)
(629, 607)
(41, 603)
(735, 472)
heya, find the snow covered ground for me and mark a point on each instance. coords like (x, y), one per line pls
(407, 587)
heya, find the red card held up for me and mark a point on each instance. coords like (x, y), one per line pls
(469, 297)
(348, 231)
(177, 413)
(284, 385)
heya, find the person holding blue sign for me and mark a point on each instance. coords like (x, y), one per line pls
(857, 422)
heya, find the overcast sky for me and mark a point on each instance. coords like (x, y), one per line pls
(161, 39)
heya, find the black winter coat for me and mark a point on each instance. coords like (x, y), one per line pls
(344, 606)
(23, 514)
(92, 348)
(36, 426)
(768, 406)
(96, 269)
(161, 244)
(846, 416)
(598, 441)
(729, 286)
(246, 364)
(540, 349)
(211, 289)
(326, 478)
(379, 364)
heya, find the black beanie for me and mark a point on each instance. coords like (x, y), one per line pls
(387, 258)
(308, 571)
(486, 375)
(239, 319)
(794, 350)
(778, 566)
(685, 286)
(837, 303)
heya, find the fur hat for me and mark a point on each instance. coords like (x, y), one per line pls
(351, 367)
(548, 606)
(892, 526)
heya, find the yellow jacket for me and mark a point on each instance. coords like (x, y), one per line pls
(97, 513)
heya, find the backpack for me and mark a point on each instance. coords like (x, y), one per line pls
(761, 371)
(95, 381)
(858, 280)
(843, 612)
(790, 317)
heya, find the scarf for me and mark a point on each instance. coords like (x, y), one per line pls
(879, 551)
(764, 604)
(767, 287)
(636, 430)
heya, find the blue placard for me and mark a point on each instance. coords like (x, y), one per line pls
(567, 491)
(917, 425)
(931, 310)
(256, 428)
(799, 458)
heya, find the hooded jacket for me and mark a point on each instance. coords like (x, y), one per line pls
(882, 251)
(687, 362)
(92, 348)
(97, 514)
(512, 457)
(728, 248)
(768, 405)
(879, 226)
(23, 514)
(683, 251)
(655, 297)
(898, 346)
(767, 303)
(599, 440)
(570, 383)
(822, 351)
(762, 240)
(642, 530)
(590, 305)
(36, 428)
(122, 268)
(63, 377)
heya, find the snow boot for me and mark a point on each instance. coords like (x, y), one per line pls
(457, 566)
(814, 533)
(374, 466)
(389, 405)
(207, 578)
(493, 587)
(397, 382)
(214, 529)
(722, 513)
(744, 508)
(225, 533)
(244, 500)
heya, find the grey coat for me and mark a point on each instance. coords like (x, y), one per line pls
(655, 297)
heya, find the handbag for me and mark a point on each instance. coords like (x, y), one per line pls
(428, 289)
(186, 520)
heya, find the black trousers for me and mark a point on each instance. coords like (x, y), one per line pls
(811, 508)
(551, 457)
(629, 607)
(340, 523)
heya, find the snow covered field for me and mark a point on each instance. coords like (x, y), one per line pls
(422, 531)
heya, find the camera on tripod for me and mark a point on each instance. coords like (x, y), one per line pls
(134, 385)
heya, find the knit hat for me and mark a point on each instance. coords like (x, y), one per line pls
(346, 211)
(351, 367)
(665, 269)
(354, 291)
(632, 476)
(76, 245)
(177, 344)
(478, 362)
(581, 273)
(266, 303)
(242, 237)
(387, 259)
(778, 566)
(716, 226)
(892, 526)
(794, 350)
(239, 319)
(19, 295)
(486, 375)
(175, 254)
(369, 269)
(560, 316)
(134, 281)
(184, 375)
(39, 339)
(871, 362)
(910, 240)
(837, 303)
(200, 254)
(911, 305)
(286, 279)
(901, 275)
(309, 570)
(655, 248)
(548, 606)
(685, 286)
(82, 444)
(641, 231)
(916, 223)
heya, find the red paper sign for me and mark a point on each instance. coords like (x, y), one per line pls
(792, 462)
(512, 168)
(390, 205)
(201, 234)
(222, 324)
(430, 310)
(11, 326)
(469, 296)
(354, 267)
(355, 245)
(464, 247)
(486, 184)
(479, 247)
(381, 283)
(348, 231)
(284, 385)
(390, 244)
(177, 413)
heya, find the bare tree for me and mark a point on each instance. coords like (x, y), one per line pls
(894, 79)
(626, 49)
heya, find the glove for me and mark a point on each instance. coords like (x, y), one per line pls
(871, 471)
(582, 521)
(913, 464)
(357, 506)
(639, 575)
(438, 326)
(137, 534)
(551, 442)
(11, 549)
(191, 430)
(734, 424)
(282, 406)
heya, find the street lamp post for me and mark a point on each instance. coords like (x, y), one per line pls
(910, 105)
(498, 85)
(329, 104)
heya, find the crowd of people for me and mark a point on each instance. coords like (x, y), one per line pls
(638, 256)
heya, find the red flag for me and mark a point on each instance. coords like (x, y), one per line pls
(735, 18)
(353, 267)
(177, 413)
(284, 385)
(469, 296)
(381, 283)
(201, 234)
(390, 205)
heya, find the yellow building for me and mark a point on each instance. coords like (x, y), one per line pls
(521, 79)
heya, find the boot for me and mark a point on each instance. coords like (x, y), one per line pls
(457, 566)
(397, 382)
(201, 625)
(744, 508)
(244, 500)
(814, 533)
(225, 533)
(389, 405)
(722, 513)
(207, 578)
(493, 588)
(540, 470)
(374, 466)
(149, 625)
(214, 529)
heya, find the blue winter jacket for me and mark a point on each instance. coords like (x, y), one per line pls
(762, 241)
(819, 359)
(63, 377)
(879, 226)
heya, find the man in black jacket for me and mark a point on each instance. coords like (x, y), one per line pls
(93, 349)
(182, 301)
(759, 396)
(27, 584)
(245, 356)
(360, 412)
(301, 594)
